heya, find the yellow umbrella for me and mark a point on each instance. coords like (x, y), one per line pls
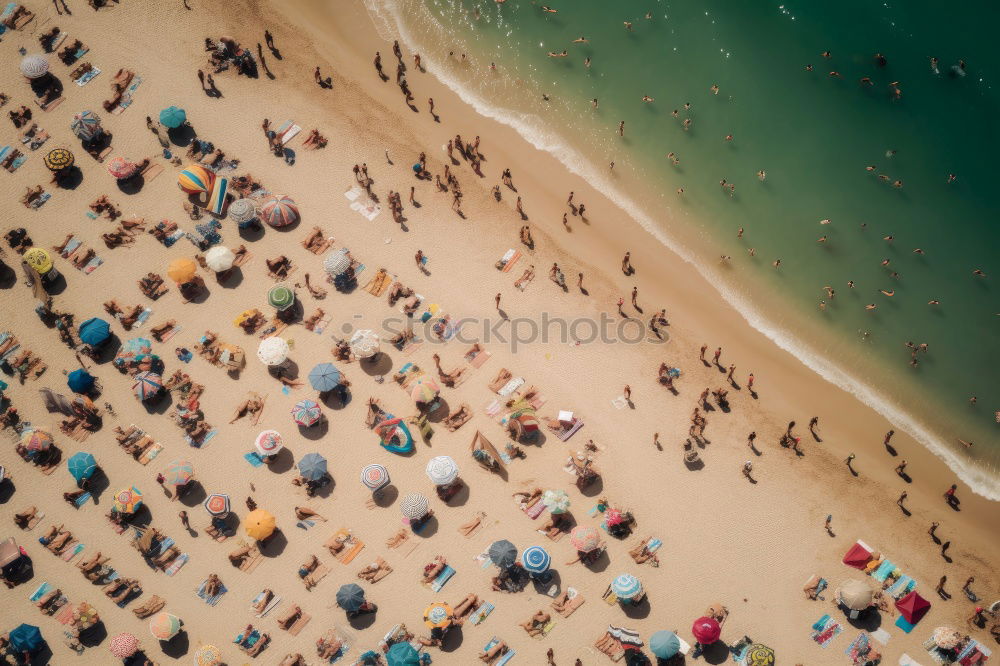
(208, 655)
(39, 260)
(259, 524)
(182, 270)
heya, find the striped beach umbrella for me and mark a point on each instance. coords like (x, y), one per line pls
(350, 597)
(374, 476)
(306, 413)
(557, 501)
(219, 258)
(584, 538)
(259, 524)
(626, 587)
(86, 125)
(280, 297)
(664, 644)
(414, 506)
(38, 259)
(208, 655)
(123, 645)
(179, 472)
(164, 626)
(34, 66)
(217, 504)
(535, 560)
(312, 467)
(706, 630)
(760, 655)
(279, 210)
(147, 385)
(438, 615)
(127, 500)
(58, 158)
(182, 270)
(424, 390)
(195, 179)
(82, 465)
(273, 351)
(324, 377)
(121, 167)
(269, 442)
(36, 439)
(80, 381)
(503, 553)
(94, 331)
(173, 117)
(242, 211)
(337, 262)
(364, 343)
(442, 470)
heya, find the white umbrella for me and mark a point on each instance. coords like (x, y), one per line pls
(272, 351)
(34, 66)
(442, 470)
(242, 210)
(557, 501)
(337, 262)
(220, 258)
(414, 506)
(364, 343)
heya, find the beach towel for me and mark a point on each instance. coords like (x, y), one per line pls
(480, 614)
(253, 458)
(126, 100)
(81, 500)
(211, 601)
(535, 509)
(882, 636)
(150, 453)
(904, 625)
(907, 660)
(299, 624)
(65, 614)
(545, 630)
(270, 606)
(508, 260)
(858, 647)
(511, 386)
(42, 590)
(176, 565)
(566, 434)
(902, 587)
(653, 545)
(318, 575)
(883, 571)
(573, 602)
(825, 630)
(89, 76)
(442, 578)
(73, 551)
(217, 199)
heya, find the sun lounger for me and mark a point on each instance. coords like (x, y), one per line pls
(352, 546)
(270, 606)
(442, 578)
(318, 574)
(501, 659)
(72, 551)
(34, 521)
(87, 77)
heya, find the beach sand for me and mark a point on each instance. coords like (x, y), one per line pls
(750, 547)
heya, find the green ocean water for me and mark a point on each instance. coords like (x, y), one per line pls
(813, 135)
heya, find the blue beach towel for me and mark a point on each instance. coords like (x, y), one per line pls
(904, 625)
(40, 592)
(480, 614)
(883, 571)
(81, 500)
(442, 578)
(253, 458)
(211, 601)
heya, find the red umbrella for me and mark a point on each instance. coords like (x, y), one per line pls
(706, 630)
(858, 556)
(913, 607)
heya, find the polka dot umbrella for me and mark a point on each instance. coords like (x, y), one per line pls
(34, 66)
(58, 159)
(279, 210)
(124, 645)
(374, 476)
(121, 168)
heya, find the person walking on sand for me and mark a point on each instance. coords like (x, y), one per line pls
(704, 348)
(184, 520)
(635, 297)
(949, 495)
(849, 462)
(732, 369)
(747, 470)
(497, 300)
(827, 523)
(627, 264)
(621, 128)
(420, 259)
(940, 588)
(715, 357)
(933, 529)
(901, 468)
(579, 281)
(813, 422)
(944, 549)
(201, 78)
(751, 440)
(627, 392)
(899, 502)
(519, 209)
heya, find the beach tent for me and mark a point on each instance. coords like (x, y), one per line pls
(123, 645)
(350, 597)
(26, 638)
(856, 595)
(312, 467)
(82, 465)
(259, 524)
(858, 556)
(664, 644)
(394, 436)
(484, 452)
(164, 626)
(94, 332)
(80, 381)
(706, 630)
(374, 476)
(913, 607)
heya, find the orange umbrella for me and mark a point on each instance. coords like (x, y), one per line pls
(182, 270)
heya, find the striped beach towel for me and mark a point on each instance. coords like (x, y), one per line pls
(442, 578)
(176, 565)
(217, 199)
(480, 614)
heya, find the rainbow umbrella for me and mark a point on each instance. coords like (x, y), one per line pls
(147, 385)
(272, 351)
(36, 439)
(123, 645)
(312, 467)
(438, 615)
(760, 655)
(584, 538)
(182, 270)
(34, 66)
(442, 470)
(535, 560)
(86, 125)
(706, 630)
(82, 465)
(38, 259)
(217, 504)
(164, 626)
(374, 476)
(280, 297)
(208, 655)
(58, 159)
(259, 524)
(626, 587)
(424, 390)
(122, 168)
(94, 331)
(279, 211)
(306, 412)
(269, 442)
(557, 501)
(195, 179)
(127, 500)
(414, 506)
(179, 472)
(324, 377)
(173, 117)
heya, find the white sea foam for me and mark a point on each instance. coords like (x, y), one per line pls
(390, 24)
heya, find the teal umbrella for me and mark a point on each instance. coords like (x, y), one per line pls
(664, 644)
(312, 467)
(82, 465)
(403, 654)
(173, 117)
(28, 637)
(350, 597)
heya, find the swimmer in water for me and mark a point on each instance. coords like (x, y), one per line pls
(714, 89)
(580, 40)
(870, 167)
(555, 54)
(821, 239)
(887, 238)
(762, 174)
(593, 102)
(870, 306)
(890, 153)
(898, 184)
(729, 137)
(934, 302)
(883, 177)
(822, 305)
(586, 63)
(951, 178)
(675, 113)
(917, 250)
(826, 221)
(687, 106)
(835, 75)
(752, 252)
(739, 232)
(885, 262)
(967, 444)
(977, 272)
(826, 54)
(647, 99)
(850, 283)
(809, 68)
(680, 190)
(866, 81)
(621, 128)
(888, 293)
(628, 25)
(880, 60)
(776, 263)
(687, 124)
(546, 8)
(829, 292)
(649, 16)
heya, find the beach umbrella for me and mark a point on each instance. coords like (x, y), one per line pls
(94, 331)
(414, 506)
(759, 655)
(364, 343)
(123, 645)
(147, 385)
(58, 159)
(535, 560)
(913, 607)
(279, 210)
(312, 467)
(173, 117)
(627, 637)
(324, 377)
(34, 66)
(374, 476)
(503, 553)
(38, 259)
(259, 524)
(438, 615)
(626, 587)
(613, 517)
(706, 630)
(195, 179)
(424, 390)
(80, 381)
(947, 638)
(584, 538)
(164, 626)
(273, 351)
(557, 501)
(280, 297)
(127, 500)
(136, 346)
(337, 262)
(664, 644)
(269, 442)
(82, 465)
(242, 211)
(442, 470)
(402, 654)
(217, 504)
(179, 472)
(26, 638)
(182, 270)
(350, 597)
(219, 258)
(121, 168)
(208, 655)
(86, 125)
(306, 413)
(35, 439)
(855, 594)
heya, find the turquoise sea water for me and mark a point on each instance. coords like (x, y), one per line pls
(813, 135)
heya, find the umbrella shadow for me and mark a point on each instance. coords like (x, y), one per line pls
(178, 646)
(637, 611)
(8, 276)
(95, 635)
(380, 364)
(182, 136)
(601, 563)
(460, 497)
(453, 639)
(440, 411)
(43, 655)
(131, 185)
(194, 495)
(233, 278)
(869, 620)
(274, 545)
(70, 178)
(596, 487)
(160, 404)
(283, 461)
(253, 233)
(315, 431)
(386, 497)
(716, 653)
(363, 621)
(429, 529)
(7, 490)
(98, 483)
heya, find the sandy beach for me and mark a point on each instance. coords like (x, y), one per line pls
(749, 546)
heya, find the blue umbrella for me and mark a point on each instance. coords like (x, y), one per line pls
(80, 381)
(626, 587)
(173, 117)
(403, 654)
(503, 553)
(350, 597)
(94, 331)
(664, 644)
(535, 560)
(324, 377)
(26, 637)
(312, 466)
(82, 465)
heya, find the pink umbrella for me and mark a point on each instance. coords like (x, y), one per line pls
(124, 645)
(121, 168)
(706, 630)
(613, 517)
